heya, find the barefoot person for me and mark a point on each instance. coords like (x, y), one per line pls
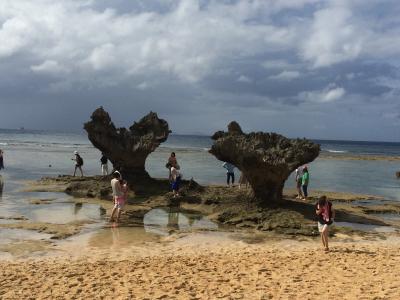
(104, 164)
(326, 215)
(78, 162)
(172, 162)
(176, 180)
(305, 179)
(298, 179)
(230, 172)
(118, 195)
(125, 190)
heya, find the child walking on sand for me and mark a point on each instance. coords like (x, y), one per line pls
(326, 216)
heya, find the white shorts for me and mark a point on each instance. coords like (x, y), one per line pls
(321, 227)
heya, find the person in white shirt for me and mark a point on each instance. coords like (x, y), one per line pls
(176, 180)
(298, 176)
(117, 193)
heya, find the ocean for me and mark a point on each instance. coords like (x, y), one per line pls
(30, 155)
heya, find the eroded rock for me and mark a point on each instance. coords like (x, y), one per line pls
(266, 159)
(127, 149)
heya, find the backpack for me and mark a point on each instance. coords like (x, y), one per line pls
(79, 160)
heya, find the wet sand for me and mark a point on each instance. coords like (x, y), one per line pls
(208, 266)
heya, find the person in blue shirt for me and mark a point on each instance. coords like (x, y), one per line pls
(230, 173)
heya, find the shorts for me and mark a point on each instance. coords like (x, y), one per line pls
(322, 226)
(119, 202)
(176, 184)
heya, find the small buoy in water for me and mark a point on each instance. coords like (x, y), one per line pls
(49, 166)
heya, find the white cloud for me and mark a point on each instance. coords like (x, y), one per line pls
(102, 57)
(286, 75)
(334, 37)
(143, 85)
(187, 42)
(243, 78)
(49, 67)
(330, 94)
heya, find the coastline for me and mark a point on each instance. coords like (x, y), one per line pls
(269, 254)
(204, 267)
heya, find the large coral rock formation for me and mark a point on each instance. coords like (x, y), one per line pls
(127, 149)
(266, 159)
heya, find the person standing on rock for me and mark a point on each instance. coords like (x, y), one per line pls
(305, 180)
(172, 162)
(230, 173)
(326, 216)
(104, 164)
(298, 179)
(176, 180)
(78, 162)
(118, 196)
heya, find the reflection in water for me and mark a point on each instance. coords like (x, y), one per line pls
(117, 236)
(173, 218)
(77, 208)
(166, 220)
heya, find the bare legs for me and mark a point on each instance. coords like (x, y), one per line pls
(80, 169)
(324, 237)
(116, 209)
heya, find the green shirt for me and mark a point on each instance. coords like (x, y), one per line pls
(305, 178)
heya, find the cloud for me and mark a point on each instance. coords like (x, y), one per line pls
(286, 75)
(49, 67)
(226, 59)
(275, 64)
(243, 78)
(334, 37)
(330, 94)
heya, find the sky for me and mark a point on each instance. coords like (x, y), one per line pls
(303, 68)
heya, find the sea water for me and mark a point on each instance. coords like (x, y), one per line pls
(30, 155)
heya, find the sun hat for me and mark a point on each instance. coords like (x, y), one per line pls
(76, 152)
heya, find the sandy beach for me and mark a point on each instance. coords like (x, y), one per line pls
(208, 266)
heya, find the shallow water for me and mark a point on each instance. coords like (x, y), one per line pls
(30, 156)
(15, 235)
(165, 220)
(365, 227)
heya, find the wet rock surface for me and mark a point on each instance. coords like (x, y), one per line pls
(266, 159)
(127, 149)
(231, 207)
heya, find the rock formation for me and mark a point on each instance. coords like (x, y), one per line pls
(127, 149)
(266, 159)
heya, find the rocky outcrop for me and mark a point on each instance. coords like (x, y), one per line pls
(127, 149)
(266, 159)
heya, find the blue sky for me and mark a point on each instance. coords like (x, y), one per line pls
(302, 68)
